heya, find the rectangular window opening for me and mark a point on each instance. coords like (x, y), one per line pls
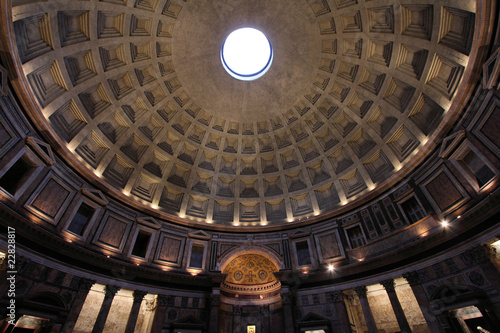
(412, 209)
(196, 259)
(141, 244)
(480, 172)
(81, 219)
(17, 175)
(356, 237)
(303, 254)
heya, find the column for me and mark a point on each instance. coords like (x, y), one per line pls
(83, 290)
(161, 309)
(214, 311)
(343, 324)
(396, 305)
(423, 302)
(365, 306)
(237, 319)
(110, 292)
(266, 318)
(149, 306)
(134, 312)
(286, 301)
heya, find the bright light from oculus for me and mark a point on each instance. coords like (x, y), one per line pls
(246, 54)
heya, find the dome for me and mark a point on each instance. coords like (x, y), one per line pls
(138, 101)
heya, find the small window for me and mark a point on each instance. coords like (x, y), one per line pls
(81, 219)
(196, 259)
(412, 210)
(303, 255)
(141, 244)
(17, 175)
(356, 237)
(477, 169)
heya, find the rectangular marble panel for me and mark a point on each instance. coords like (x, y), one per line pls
(51, 198)
(170, 250)
(113, 231)
(444, 191)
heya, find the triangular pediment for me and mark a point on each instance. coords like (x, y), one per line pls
(450, 143)
(149, 221)
(301, 233)
(188, 322)
(42, 149)
(312, 318)
(199, 234)
(491, 71)
(95, 195)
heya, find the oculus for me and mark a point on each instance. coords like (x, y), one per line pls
(246, 54)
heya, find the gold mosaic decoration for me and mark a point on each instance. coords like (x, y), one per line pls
(250, 269)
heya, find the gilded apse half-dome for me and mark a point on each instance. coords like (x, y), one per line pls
(250, 269)
(134, 96)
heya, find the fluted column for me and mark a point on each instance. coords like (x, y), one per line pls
(161, 309)
(83, 290)
(134, 312)
(396, 306)
(214, 313)
(110, 292)
(423, 302)
(286, 301)
(337, 298)
(365, 306)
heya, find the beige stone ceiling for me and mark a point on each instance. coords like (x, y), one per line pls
(134, 92)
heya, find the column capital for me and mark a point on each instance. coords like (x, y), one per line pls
(336, 295)
(413, 278)
(163, 300)
(215, 300)
(150, 304)
(389, 285)
(84, 285)
(361, 291)
(139, 295)
(286, 298)
(110, 291)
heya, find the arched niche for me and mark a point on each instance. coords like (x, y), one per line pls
(250, 279)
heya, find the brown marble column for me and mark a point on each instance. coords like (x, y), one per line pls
(365, 306)
(343, 324)
(286, 301)
(110, 292)
(423, 302)
(214, 313)
(396, 306)
(266, 318)
(83, 290)
(237, 319)
(161, 309)
(134, 312)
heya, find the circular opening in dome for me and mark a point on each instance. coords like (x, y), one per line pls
(246, 54)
